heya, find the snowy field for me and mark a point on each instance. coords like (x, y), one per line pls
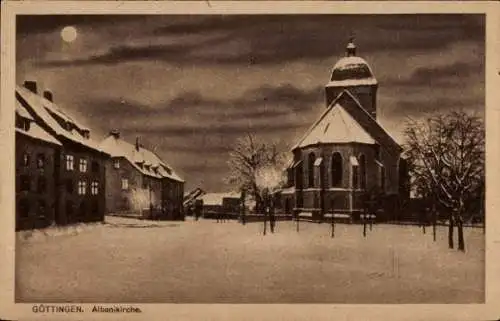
(127, 260)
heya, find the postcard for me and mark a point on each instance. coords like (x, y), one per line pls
(250, 160)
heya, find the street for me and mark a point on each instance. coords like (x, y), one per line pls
(128, 260)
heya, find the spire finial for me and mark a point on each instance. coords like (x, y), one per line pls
(351, 47)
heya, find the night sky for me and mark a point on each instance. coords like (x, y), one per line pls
(189, 86)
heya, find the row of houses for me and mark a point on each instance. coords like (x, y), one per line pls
(63, 176)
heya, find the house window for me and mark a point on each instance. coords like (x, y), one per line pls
(25, 183)
(355, 178)
(26, 160)
(95, 167)
(124, 184)
(69, 186)
(116, 163)
(83, 165)
(362, 171)
(40, 161)
(24, 208)
(82, 188)
(94, 188)
(336, 169)
(70, 162)
(42, 185)
(310, 169)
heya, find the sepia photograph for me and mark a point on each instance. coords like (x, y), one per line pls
(319, 158)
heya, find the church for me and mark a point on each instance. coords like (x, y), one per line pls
(346, 153)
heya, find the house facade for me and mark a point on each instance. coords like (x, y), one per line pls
(36, 153)
(139, 181)
(346, 153)
(76, 166)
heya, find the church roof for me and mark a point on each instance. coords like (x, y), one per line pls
(336, 126)
(346, 121)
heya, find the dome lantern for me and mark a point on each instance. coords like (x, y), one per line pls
(353, 73)
(351, 48)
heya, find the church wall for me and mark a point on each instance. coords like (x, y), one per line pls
(390, 160)
(322, 195)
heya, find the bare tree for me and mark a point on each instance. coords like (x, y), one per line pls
(255, 166)
(446, 156)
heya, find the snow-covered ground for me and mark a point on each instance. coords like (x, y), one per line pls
(127, 260)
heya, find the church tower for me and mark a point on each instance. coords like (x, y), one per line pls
(355, 75)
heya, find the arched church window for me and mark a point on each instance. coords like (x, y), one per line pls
(336, 169)
(362, 171)
(310, 169)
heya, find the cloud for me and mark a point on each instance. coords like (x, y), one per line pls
(424, 107)
(444, 76)
(190, 112)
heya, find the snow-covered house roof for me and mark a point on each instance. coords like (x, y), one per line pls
(346, 121)
(34, 130)
(22, 112)
(144, 160)
(62, 125)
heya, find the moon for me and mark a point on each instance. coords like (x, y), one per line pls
(68, 34)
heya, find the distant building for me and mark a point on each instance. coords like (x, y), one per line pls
(346, 152)
(192, 196)
(59, 168)
(221, 203)
(139, 181)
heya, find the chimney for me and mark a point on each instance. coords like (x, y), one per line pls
(47, 94)
(137, 144)
(115, 133)
(31, 86)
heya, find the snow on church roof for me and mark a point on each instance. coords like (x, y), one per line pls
(336, 126)
(374, 132)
